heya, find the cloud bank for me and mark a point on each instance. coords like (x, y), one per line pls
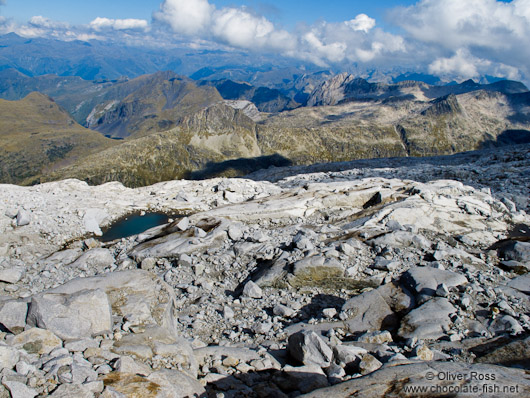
(100, 24)
(452, 39)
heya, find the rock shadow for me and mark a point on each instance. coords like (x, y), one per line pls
(238, 167)
(508, 137)
(315, 309)
(269, 383)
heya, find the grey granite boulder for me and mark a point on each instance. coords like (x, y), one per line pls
(13, 315)
(518, 251)
(425, 280)
(521, 283)
(402, 239)
(23, 217)
(11, 274)
(377, 309)
(429, 321)
(140, 296)
(70, 316)
(308, 348)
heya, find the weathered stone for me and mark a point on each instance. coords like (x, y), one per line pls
(377, 309)
(376, 337)
(521, 283)
(139, 296)
(261, 327)
(138, 351)
(429, 321)
(183, 224)
(19, 390)
(308, 348)
(72, 390)
(13, 315)
(514, 354)
(23, 217)
(349, 355)
(228, 313)
(244, 355)
(148, 264)
(505, 324)
(329, 312)
(8, 357)
(518, 251)
(93, 218)
(425, 280)
(24, 368)
(127, 364)
(383, 264)
(283, 311)
(98, 258)
(369, 364)
(81, 345)
(177, 243)
(160, 384)
(37, 341)
(400, 379)
(11, 274)
(234, 232)
(273, 274)
(423, 352)
(70, 316)
(180, 353)
(316, 264)
(402, 239)
(252, 290)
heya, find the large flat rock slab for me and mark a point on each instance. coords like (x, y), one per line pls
(139, 295)
(433, 379)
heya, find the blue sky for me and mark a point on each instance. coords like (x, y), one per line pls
(452, 39)
(286, 13)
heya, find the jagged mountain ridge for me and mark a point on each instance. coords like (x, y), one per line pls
(346, 87)
(265, 99)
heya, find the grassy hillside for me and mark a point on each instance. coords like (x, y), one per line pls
(37, 136)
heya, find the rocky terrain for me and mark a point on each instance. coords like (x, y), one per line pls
(378, 278)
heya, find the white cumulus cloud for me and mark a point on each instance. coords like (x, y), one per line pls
(42, 22)
(239, 28)
(463, 65)
(188, 17)
(361, 22)
(99, 24)
(491, 31)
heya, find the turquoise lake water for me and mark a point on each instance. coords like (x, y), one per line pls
(132, 225)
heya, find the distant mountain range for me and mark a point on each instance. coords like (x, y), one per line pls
(169, 126)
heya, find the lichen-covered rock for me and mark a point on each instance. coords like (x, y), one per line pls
(37, 341)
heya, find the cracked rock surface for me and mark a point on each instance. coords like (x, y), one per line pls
(334, 280)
